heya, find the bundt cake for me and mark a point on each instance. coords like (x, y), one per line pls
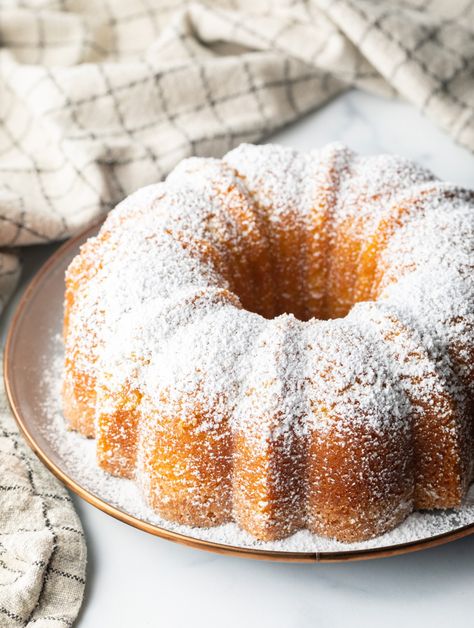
(280, 339)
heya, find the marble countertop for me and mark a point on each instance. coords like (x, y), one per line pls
(159, 583)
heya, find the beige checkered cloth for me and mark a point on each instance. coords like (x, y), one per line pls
(98, 98)
(42, 547)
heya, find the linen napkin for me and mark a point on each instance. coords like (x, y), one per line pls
(100, 98)
(42, 546)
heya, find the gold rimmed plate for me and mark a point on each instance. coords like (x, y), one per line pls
(31, 352)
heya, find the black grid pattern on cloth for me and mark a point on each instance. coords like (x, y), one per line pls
(436, 54)
(42, 554)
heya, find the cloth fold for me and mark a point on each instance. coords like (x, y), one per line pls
(100, 98)
(42, 545)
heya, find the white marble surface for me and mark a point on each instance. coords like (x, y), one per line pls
(136, 580)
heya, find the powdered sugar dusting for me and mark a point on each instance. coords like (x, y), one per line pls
(210, 291)
(78, 460)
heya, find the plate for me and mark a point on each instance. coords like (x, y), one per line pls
(32, 370)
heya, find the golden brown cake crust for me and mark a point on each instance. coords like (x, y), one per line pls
(280, 339)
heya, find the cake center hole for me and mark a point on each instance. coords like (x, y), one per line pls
(288, 292)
